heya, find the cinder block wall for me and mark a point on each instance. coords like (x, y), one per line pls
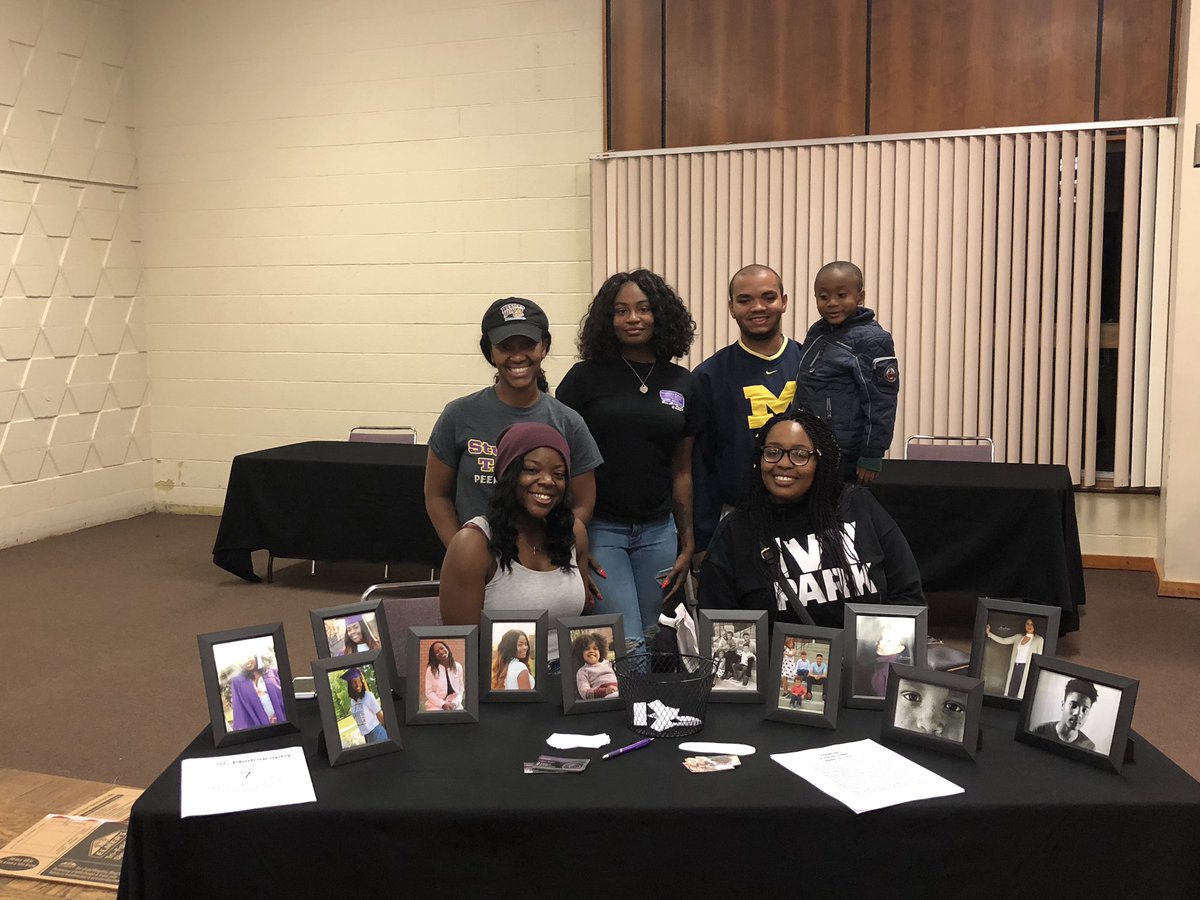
(331, 195)
(74, 430)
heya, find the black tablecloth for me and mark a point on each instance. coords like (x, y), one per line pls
(999, 529)
(327, 500)
(452, 814)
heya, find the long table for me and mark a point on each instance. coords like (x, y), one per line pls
(327, 500)
(999, 529)
(452, 814)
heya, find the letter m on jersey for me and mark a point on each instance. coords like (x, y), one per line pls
(764, 404)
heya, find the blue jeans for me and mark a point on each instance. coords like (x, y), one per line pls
(631, 557)
(376, 735)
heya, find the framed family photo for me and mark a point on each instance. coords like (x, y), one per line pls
(936, 710)
(512, 655)
(248, 682)
(877, 636)
(1078, 712)
(588, 646)
(737, 642)
(441, 678)
(359, 627)
(354, 694)
(1008, 634)
(806, 671)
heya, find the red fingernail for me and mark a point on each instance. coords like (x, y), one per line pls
(665, 583)
(603, 574)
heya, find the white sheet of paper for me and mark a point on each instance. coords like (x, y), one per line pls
(865, 775)
(247, 781)
(570, 741)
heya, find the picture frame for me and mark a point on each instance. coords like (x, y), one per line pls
(500, 634)
(345, 741)
(873, 632)
(1053, 716)
(331, 622)
(815, 642)
(936, 710)
(576, 679)
(234, 708)
(421, 639)
(995, 648)
(724, 635)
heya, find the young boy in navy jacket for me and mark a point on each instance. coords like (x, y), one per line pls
(848, 371)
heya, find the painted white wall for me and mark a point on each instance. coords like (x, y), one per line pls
(1179, 523)
(1118, 524)
(74, 427)
(332, 193)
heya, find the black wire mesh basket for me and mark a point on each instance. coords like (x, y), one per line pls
(664, 693)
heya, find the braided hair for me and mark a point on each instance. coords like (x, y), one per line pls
(823, 497)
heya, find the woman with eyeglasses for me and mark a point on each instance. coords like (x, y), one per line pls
(802, 539)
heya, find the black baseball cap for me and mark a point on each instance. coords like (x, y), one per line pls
(515, 316)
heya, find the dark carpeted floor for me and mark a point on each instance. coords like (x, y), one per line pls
(102, 623)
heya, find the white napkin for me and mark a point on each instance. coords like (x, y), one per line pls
(571, 741)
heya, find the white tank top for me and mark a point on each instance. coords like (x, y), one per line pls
(559, 593)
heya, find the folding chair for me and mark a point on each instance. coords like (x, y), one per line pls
(970, 448)
(384, 434)
(406, 603)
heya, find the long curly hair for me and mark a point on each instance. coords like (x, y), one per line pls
(485, 347)
(502, 519)
(674, 328)
(824, 496)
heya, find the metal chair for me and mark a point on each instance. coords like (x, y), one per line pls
(406, 603)
(970, 449)
(384, 434)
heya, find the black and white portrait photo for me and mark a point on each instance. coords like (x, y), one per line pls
(1074, 711)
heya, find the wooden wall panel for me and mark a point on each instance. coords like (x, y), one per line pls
(1137, 70)
(954, 64)
(634, 71)
(745, 71)
(764, 70)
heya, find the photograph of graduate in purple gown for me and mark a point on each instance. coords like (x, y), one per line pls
(251, 691)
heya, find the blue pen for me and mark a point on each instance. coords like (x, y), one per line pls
(637, 745)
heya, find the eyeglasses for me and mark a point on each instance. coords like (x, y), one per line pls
(798, 455)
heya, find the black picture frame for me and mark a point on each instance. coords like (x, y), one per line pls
(1051, 678)
(572, 627)
(862, 661)
(319, 617)
(324, 671)
(501, 621)
(983, 648)
(710, 620)
(218, 676)
(415, 666)
(917, 720)
(832, 641)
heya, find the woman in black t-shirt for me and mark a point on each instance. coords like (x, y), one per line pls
(641, 409)
(802, 538)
